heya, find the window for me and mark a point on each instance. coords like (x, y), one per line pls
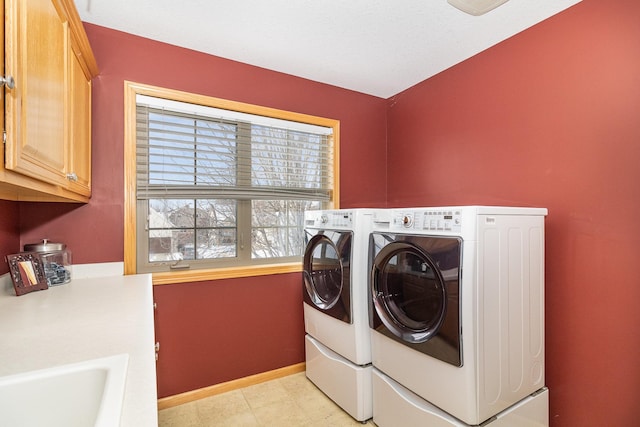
(220, 184)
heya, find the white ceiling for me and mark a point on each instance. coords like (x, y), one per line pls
(377, 47)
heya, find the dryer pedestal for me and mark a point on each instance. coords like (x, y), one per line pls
(393, 402)
(347, 384)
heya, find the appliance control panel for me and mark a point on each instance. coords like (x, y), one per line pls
(448, 220)
(340, 219)
(331, 219)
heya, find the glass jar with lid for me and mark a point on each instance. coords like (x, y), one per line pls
(56, 260)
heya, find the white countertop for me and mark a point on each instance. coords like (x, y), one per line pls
(85, 319)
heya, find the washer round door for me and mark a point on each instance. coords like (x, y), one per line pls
(326, 271)
(415, 288)
(408, 292)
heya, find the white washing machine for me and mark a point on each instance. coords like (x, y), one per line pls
(337, 341)
(457, 316)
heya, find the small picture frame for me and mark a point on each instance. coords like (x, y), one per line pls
(27, 272)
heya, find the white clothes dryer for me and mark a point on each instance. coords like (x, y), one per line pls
(337, 341)
(457, 309)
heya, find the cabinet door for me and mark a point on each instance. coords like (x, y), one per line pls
(79, 125)
(35, 47)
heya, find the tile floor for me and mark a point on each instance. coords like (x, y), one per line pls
(291, 401)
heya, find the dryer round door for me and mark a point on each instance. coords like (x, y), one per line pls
(408, 292)
(326, 271)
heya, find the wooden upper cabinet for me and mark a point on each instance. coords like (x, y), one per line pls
(78, 121)
(48, 111)
(35, 56)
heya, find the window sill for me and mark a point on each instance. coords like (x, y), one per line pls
(224, 273)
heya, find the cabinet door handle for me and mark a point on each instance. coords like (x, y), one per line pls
(8, 81)
(72, 176)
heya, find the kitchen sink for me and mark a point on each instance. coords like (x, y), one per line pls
(82, 394)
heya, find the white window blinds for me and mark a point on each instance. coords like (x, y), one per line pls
(185, 150)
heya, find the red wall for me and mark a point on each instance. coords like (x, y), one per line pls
(209, 332)
(9, 232)
(212, 332)
(550, 118)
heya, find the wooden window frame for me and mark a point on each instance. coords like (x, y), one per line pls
(131, 90)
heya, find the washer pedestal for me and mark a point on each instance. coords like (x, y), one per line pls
(345, 383)
(393, 402)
